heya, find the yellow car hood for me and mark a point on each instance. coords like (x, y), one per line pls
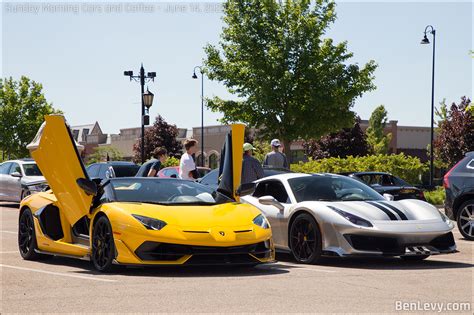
(222, 215)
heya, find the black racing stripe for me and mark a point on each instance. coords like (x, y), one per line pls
(387, 212)
(400, 213)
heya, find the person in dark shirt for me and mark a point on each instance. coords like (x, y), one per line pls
(161, 155)
(251, 167)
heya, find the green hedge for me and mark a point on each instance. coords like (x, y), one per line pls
(406, 167)
(171, 161)
(435, 197)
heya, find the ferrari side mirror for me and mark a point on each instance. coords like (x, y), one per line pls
(270, 201)
(388, 197)
(87, 185)
(245, 189)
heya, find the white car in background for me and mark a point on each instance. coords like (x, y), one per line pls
(20, 178)
(334, 215)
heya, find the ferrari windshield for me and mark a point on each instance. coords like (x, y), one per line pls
(331, 188)
(164, 191)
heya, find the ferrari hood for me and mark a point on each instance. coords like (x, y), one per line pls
(202, 217)
(389, 210)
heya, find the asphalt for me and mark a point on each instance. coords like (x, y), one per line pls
(62, 285)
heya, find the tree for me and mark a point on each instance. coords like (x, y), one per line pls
(101, 153)
(22, 110)
(348, 141)
(161, 134)
(378, 142)
(291, 81)
(456, 133)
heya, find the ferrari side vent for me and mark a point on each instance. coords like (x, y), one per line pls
(201, 232)
(242, 231)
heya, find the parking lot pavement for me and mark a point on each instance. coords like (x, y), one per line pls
(335, 285)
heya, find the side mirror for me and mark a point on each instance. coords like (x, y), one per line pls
(88, 186)
(270, 201)
(388, 197)
(16, 174)
(245, 189)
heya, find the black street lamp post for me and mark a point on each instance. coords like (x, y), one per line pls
(202, 110)
(430, 29)
(146, 101)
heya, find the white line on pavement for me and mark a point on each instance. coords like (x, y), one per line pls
(58, 273)
(9, 232)
(10, 252)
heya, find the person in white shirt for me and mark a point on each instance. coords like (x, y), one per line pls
(187, 167)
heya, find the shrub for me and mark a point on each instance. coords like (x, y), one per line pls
(435, 197)
(171, 161)
(406, 167)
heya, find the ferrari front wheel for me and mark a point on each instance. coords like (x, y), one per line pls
(305, 239)
(27, 236)
(103, 249)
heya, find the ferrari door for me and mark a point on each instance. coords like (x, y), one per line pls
(56, 154)
(275, 189)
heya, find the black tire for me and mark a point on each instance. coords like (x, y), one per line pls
(414, 258)
(25, 193)
(103, 248)
(27, 236)
(305, 239)
(464, 220)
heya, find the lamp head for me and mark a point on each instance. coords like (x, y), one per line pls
(148, 99)
(425, 40)
(194, 75)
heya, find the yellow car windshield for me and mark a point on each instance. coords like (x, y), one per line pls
(164, 191)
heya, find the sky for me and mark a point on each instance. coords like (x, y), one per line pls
(78, 51)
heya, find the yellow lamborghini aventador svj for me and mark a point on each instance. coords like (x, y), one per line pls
(138, 221)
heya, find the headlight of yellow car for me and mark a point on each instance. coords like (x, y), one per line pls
(150, 223)
(261, 221)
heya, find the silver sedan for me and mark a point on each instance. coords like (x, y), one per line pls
(20, 178)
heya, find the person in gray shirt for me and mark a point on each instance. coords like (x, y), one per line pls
(275, 158)
(251, 168)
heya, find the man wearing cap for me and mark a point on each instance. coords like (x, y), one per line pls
(251, 168)
(275, 158)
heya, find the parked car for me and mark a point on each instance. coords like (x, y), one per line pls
(20, 178)
(459, 203)
(333, 215)
(211, 178)
(386, 183)
(115, 169)
(167, 172)
(134, 221)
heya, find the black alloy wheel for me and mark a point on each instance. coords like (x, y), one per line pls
(103, 249)
(305, 239)
(26, 236)
(465, 220)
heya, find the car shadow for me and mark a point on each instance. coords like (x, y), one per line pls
(12, 205)
(173, 271)
(380, 263)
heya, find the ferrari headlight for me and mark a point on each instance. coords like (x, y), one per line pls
(150, 223)
(261, 221)
(351, 217)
